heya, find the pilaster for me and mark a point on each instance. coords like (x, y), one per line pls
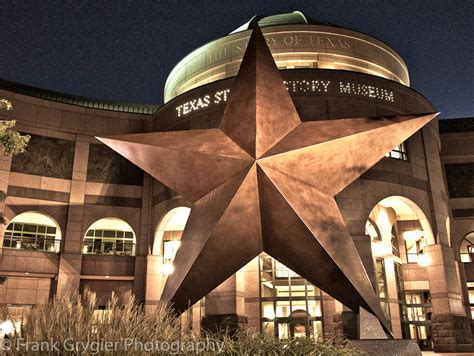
(69, 275)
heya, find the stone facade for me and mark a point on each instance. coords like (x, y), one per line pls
(69, 176)
(451, 333)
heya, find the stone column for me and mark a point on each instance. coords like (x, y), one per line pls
(69, 276)
(438, 197)
(142, 245)
(225, 306)
(154, 283)
(252, 294)
(451, 329)
(329, 311)
(345, 321)
(363, 325)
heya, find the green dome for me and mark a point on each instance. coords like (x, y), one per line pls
(290, 18)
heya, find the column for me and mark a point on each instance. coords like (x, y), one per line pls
(69, 276)
(142, 246)
(451, 328)
(225, 306)
(252, 294)
(154, 283)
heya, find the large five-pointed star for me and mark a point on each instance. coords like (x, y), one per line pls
(265, 182)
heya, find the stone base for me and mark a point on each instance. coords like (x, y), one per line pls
(358, 326)
(223, 323)
(387, 347)
(346, 324)
(451, 333)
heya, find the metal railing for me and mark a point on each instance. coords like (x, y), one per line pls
(38, 243)
(115, 248)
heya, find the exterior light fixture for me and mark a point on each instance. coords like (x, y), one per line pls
(84, 249)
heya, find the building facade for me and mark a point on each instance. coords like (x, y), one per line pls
(79, 216)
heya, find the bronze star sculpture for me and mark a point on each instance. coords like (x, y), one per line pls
(265, 182)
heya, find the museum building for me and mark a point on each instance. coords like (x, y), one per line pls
(79, 216)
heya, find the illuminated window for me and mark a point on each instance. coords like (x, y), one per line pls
(110, 236)
(467, 248)
(171, 243)
(416, 317)
(414, 243)
(394, 241)
(33, 232)
(381, 285)
(470, 288)
(399, 152)
(291, 306)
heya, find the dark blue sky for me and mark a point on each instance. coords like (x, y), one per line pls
(124, 50)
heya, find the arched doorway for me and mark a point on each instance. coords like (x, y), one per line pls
(166, 243)
(33, 231)
(168, 236)
(399, 232)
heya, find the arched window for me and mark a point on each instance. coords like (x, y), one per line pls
(110, 236)
(372, 230)
(32, 231)
(168, 236)
(401, 222)
(467, 248)
(412, 227)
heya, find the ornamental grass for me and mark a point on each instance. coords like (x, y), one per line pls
(72, 324)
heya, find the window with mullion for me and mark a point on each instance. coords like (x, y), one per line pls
(399, 152)
(28, 236)
(109, 242)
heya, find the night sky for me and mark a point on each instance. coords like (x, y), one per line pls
(124, 50)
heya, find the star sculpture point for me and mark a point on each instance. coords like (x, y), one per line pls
(265, 181)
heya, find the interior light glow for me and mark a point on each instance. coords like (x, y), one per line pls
(381, 249)
(424, 260)
(168, 268)
(7, 327)
(413, 235)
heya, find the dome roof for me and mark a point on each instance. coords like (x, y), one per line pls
(290, 18)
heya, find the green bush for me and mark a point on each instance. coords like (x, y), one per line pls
(69, 319)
